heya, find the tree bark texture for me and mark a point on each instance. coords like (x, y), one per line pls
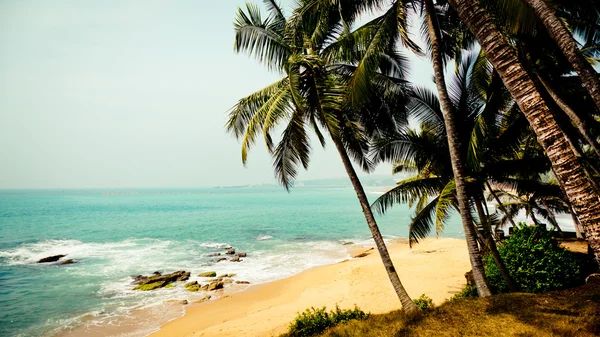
(407, 304)
(568, 46)
(579, 190)
(483, 288)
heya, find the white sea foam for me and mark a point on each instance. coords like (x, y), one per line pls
(110, 267)
(263, 237)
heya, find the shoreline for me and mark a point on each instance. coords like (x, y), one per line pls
(434, 267)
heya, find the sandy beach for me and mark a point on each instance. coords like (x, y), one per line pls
(434, 267)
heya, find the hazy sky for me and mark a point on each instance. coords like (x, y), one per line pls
(129, 93)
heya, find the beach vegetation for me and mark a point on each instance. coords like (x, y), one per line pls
(536, 261)
(424, 302)
(571, 312)
(466, 292)
(315, 321)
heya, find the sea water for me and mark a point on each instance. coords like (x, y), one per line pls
(114, 235)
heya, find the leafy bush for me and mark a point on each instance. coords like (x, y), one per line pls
(467, 291)
(314, 321)
(536, 262)
(424, 302)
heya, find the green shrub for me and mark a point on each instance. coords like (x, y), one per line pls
(467, 291)
(424, 302)
(314, 321)
(535, 261)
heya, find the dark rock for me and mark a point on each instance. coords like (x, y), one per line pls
(160, 281)
(221, 259)
(240, 254)
(214, 254)
(347, 243)
(236, 259)
(227, 248)
(69, 261)
(53, 258)
(242, 282)
(192, 286)
(225, 275)
(363, 254)
(184, 277)
(215, 286)
(593, 279)
(230, 252)
(139, 279)
(189, 284)
(227, 280)
(156, 273)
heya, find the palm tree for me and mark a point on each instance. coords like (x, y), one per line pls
(491, 129)
(569, 171)
(454, 145)
(307, 49)
(567, 44)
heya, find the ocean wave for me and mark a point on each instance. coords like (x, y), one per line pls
(108, 268)
(263, 237)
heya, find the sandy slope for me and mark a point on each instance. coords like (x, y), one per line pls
(435, 267)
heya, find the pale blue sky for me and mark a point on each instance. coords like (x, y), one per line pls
(129, 93)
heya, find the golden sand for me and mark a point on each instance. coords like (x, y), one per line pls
(435, 267)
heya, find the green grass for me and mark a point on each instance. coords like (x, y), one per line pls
(571, 312)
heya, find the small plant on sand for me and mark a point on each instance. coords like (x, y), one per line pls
(314, 321)
(424, 302)
(467, 291)
(536, 262)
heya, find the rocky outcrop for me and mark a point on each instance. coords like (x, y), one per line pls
(156, 273)
(159, 281)
(363, 254)
(192, 286)
(236, 259)
(240, 254)
(208, 274)
(225, 275)
(221, 259)
(204, 299)
(242, 282)
(53, 258)
(181, 302)
(69, 261)
(214, 254)
(215, 285)
(230, 251)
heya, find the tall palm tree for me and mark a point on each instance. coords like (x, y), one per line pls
(567, 44)
(569, 171)
(452, 135)
(491, 130)
(307, 49)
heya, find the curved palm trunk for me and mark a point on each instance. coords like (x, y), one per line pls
(568, 46)
(491, 244)
(483, 288)
(407, 304)
(500, 204)
(579, 190)
(578, 122)
(551, 216)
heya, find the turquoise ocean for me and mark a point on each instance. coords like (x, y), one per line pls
(114, 235)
